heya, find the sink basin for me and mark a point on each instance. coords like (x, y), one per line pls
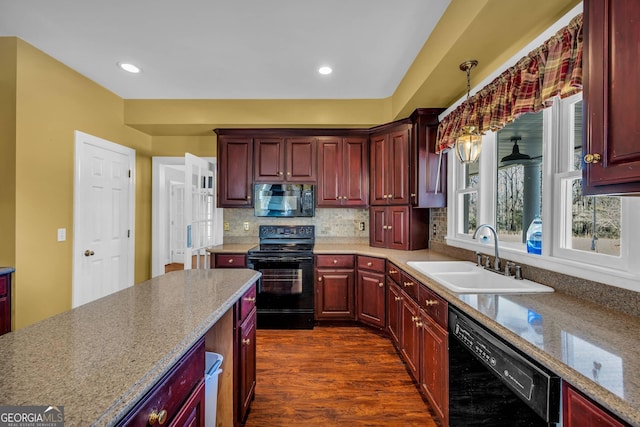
(465, 277)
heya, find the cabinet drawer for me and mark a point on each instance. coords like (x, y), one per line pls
(371, 263)
(4, 286)
(335, 261)
(409, 285)
(247, 303)
(433, 305)
(230, 261)
(172, 391)
(393, 272)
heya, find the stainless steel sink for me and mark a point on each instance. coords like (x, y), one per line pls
(465, 277)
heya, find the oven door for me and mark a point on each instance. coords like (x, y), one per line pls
(285, 291)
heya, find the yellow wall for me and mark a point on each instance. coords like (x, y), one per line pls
(52, 102)
(7, 150)
(176, 146)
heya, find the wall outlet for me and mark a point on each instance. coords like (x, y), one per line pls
(62, 234)
(245, 225)
(361, 226)
(226, 226)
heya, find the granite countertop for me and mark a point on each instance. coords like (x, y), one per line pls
(6, 270)
(592, 347)
(98, 360)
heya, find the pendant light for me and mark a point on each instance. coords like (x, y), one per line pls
(469, 142)
(516, 156)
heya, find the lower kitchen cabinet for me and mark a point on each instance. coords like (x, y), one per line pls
(335, 287)
(178, 398)
(434, 367)
(394, 307)
(410, 336)
(229, 260)
(245, 360)
(370, 292)
(580, 411)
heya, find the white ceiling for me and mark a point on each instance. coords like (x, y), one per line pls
(230, 49)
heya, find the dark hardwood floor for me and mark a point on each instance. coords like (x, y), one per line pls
(333, 376)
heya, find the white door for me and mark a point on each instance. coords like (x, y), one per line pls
(176, 222)
(103, 259)
(202, 220)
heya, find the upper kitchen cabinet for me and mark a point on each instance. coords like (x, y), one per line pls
(235, 172)
(343, 172)
(285, 159)
(389, 164)
(611, 97)
(428, 178)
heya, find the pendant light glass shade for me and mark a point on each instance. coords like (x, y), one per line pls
(469, 144)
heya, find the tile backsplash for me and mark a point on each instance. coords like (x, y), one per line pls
(330, 223)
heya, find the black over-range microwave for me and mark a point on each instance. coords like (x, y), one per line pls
(285, 200)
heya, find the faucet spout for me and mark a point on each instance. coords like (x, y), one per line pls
(496, 262)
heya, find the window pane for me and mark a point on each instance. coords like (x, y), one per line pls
(577, 135)
(519, 183)
(595, 222)
(469, 217)
(471, 175)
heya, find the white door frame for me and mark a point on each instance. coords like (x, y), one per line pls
(160, 209)
(80, 138)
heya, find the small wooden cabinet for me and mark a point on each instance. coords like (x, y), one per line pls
(178, 399)
(371, 291)
(229, 260)
(389, 166)
(410, 335)
(5, 300)
(428, 179)
(235, 176)
(580, 411)
(611, 97)
(398, 227)
(279, 159)
(394, 308)
(245, 354)
(335, 287)
(343, 172)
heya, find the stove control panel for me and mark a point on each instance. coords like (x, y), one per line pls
(286, 231)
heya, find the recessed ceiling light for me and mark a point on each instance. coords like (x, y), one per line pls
(129, 67)
(325, 70)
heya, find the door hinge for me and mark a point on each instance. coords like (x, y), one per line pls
(128, 234)
(129, 173)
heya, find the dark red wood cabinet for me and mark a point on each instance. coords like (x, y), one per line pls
(434, 366)
(580, 411)
(229, 260)
(335, 287)
(245, 354)
(371, 291)
(428, 179)
(343, 172)
(280, 159)
(410, 334)
(394, 306)
(398, 227)
(389, 166)
(5, 300)
(235, 177)
(178, 399)
(611, 96)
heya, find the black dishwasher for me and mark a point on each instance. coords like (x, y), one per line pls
(493, 384)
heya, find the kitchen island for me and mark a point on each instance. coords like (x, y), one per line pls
(98, 360)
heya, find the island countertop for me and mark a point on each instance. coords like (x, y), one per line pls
(98, 360)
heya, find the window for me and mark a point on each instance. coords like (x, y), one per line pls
(584, 236)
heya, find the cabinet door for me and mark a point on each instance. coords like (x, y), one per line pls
(236, 172)
(611, 97)
(5, 304)
(410, 336)
(371, 298)
(330, 172)
(394, 307)
(398, 165)
(579, 411)
(355, 178)
(379, 187)
(335, 294)
(269, 160)
(378, 226)
(300, 160)
(247, 364)
(428, 181)
(228, 260)
(192, 412)
(434, 367)
(398, 228)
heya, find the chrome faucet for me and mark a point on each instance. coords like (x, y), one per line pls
(496, 262)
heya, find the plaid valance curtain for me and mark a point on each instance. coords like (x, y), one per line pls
(555, 68)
